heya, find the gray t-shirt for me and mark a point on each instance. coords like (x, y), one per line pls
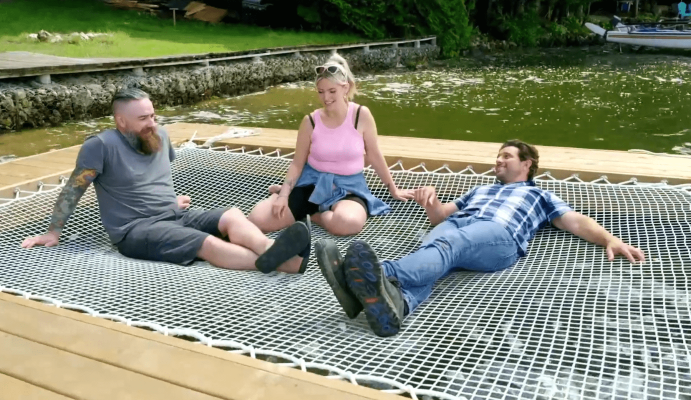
(129, 185)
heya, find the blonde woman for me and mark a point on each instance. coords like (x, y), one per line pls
(325, 179)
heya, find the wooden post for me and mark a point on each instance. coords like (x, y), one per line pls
(173, 15)
(635, 9)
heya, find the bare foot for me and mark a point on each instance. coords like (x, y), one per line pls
(274, 189)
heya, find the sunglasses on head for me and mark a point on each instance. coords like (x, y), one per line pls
(332, 69)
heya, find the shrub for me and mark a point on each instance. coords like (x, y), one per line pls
(525, 30)
(376, 19)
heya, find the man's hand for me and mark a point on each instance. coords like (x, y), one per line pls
(402, 194)
(425, 196)
(64, 207)
(586, 228)
(50, 239)
(184, 202)
(617, 246)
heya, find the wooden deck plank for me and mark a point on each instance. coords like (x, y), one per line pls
(6, 180)
(24, 172)
(561, 161)
(192, 366)
(14, 389)
(7, 191)
(45, 167)
(79, 377)
(66, 159)
(451, 150)
(50, 164)
(68, 153)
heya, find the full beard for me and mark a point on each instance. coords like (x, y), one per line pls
(147, 141)
(150, 142)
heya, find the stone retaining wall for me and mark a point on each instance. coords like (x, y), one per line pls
(27, 103)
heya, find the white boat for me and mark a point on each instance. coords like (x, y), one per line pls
(656, 34)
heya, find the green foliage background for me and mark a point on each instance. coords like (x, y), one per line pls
(454, 22)
(378, 19)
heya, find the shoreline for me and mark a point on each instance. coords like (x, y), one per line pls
(26, 103)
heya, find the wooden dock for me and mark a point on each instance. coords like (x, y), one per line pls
(49, 353)
(16, 64)
(561, 162)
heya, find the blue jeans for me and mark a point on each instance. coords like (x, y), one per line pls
(456, 244)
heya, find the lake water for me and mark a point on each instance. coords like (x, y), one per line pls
(559, 98)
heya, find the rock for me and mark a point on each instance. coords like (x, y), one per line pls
(81, 101)
(72, 97)
(6, 104)
(20, 94)
(74, 38)
(43, 36)
(55, 117)
(6, 123)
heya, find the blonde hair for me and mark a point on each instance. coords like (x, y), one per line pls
(347, 76)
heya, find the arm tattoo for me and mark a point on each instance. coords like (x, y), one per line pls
(69, 197)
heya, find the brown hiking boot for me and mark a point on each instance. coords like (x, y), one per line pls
(331, 265)
(382, 301)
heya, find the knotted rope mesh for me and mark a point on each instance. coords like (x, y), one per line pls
(561, 323)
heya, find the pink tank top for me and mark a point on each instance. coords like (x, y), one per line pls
(338, 150)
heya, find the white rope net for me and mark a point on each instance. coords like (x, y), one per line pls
(562, 323)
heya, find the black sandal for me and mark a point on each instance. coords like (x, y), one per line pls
(294, 241)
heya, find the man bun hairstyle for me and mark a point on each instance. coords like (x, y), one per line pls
(525, 152)
(126, 95)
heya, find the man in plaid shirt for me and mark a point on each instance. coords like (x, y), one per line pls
(486, 230)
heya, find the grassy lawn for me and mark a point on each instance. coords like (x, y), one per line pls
(135, 34)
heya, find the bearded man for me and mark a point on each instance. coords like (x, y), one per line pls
(144, 219)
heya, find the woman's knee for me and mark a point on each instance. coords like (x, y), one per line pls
(343, 224)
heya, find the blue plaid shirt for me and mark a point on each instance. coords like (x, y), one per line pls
(521, 208)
